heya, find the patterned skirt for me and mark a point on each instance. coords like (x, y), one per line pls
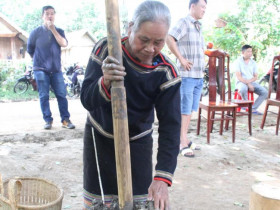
(100, 173)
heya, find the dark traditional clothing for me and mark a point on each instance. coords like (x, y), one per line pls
(147, 87)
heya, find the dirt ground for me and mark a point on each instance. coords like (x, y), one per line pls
(218, 178)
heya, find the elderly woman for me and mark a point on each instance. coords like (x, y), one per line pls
(151, 81)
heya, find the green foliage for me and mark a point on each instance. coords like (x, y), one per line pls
(81, 15)
(257, 24)
(21, 13)
(10, 72)
(229, 38)
(31, 20)
(87, 16)
(9, 95)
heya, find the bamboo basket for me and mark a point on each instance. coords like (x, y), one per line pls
(29, 194)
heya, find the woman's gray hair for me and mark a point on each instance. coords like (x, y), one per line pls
(152, 11)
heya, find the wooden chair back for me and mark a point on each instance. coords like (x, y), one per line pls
(275, 59)
(217, 80)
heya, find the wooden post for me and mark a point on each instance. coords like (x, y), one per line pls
(265, 195)
(119, 109)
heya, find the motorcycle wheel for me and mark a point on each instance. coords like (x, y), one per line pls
(77, 91)
(70, 91)
(205, 88)
(21, 87)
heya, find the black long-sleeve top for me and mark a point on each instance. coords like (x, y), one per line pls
(147, 87)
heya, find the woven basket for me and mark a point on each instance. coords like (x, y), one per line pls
(29, 194)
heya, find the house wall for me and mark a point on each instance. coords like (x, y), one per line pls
(5, 47)
(79, 51)
(10, 46)
(80, 54)
(19, 44)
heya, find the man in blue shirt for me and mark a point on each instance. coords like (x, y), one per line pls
(44, 46)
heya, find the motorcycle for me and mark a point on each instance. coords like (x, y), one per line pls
(80, 79)
(69, 85)
(74, 76)
(23, 83)
(27, 79)
(71, 69)
(265, 79)
(205, 87)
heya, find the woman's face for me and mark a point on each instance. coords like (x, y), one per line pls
(147, 42)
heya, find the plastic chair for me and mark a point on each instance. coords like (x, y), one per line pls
(237, 96)
(244, 103)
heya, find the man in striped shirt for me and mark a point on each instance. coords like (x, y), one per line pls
(186, 42)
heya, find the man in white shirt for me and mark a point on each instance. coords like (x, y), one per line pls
(246, 72)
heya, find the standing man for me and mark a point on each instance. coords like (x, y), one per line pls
(186, 42)
(44, 46)
(246, 73)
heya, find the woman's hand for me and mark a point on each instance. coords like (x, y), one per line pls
(112, 71)
(158, 192)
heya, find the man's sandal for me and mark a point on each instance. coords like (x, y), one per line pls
(193, 146)
(187, 152)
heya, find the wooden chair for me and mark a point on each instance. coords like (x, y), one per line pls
(270, 101)
(225, 108)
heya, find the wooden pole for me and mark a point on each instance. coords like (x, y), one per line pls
(119, 109)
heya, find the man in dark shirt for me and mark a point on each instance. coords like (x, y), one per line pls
(44, 46)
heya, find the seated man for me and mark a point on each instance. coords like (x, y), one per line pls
(246, 72)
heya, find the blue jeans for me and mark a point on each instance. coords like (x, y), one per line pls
(258, 89)
(55, 80)
(190, 94)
